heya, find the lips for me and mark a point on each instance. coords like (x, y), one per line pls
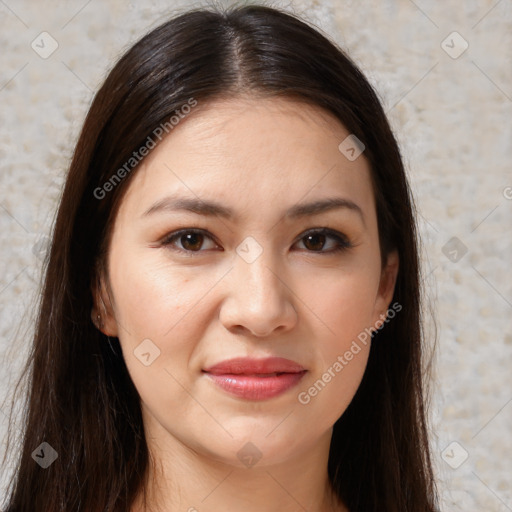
(256, 379)
(249, 366)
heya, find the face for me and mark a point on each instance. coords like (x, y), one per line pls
(247, 234)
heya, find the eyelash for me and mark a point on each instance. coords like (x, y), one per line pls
(342, 240)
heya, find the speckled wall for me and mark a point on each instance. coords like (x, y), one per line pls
(444, 73)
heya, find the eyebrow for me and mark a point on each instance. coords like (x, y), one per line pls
(211, 208)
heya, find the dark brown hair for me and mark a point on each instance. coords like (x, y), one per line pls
(81, 399)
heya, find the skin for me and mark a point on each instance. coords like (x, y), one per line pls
(297, 300)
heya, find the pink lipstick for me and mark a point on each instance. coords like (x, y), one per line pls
(256, 379)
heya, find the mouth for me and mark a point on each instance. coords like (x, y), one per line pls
(256, 379)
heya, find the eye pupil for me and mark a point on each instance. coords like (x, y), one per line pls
(192, 241)
(318, 242)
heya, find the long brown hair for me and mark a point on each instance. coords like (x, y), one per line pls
(81, 400)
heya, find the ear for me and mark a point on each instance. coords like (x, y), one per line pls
(102, 312)
(386, 288)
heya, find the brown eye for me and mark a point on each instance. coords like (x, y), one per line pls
(325, 241)
(314, 242)
(189, 240)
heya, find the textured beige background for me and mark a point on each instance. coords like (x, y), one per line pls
(452, 117)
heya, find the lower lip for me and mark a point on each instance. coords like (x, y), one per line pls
(253, 387)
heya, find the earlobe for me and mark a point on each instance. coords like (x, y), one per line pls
(387, 284)
(102, 313)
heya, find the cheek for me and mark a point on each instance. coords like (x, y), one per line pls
(341, 362)
(328, 393)
(151, 297)
(156, 310)
(345, 305)
(155, 302)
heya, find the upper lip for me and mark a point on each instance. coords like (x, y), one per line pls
(251, 366)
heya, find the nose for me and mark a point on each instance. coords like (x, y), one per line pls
(258, 300)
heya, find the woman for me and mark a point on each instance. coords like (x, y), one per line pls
(230, 316)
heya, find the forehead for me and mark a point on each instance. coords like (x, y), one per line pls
(246, 151)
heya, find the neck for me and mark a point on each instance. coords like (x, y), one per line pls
(180, 478)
